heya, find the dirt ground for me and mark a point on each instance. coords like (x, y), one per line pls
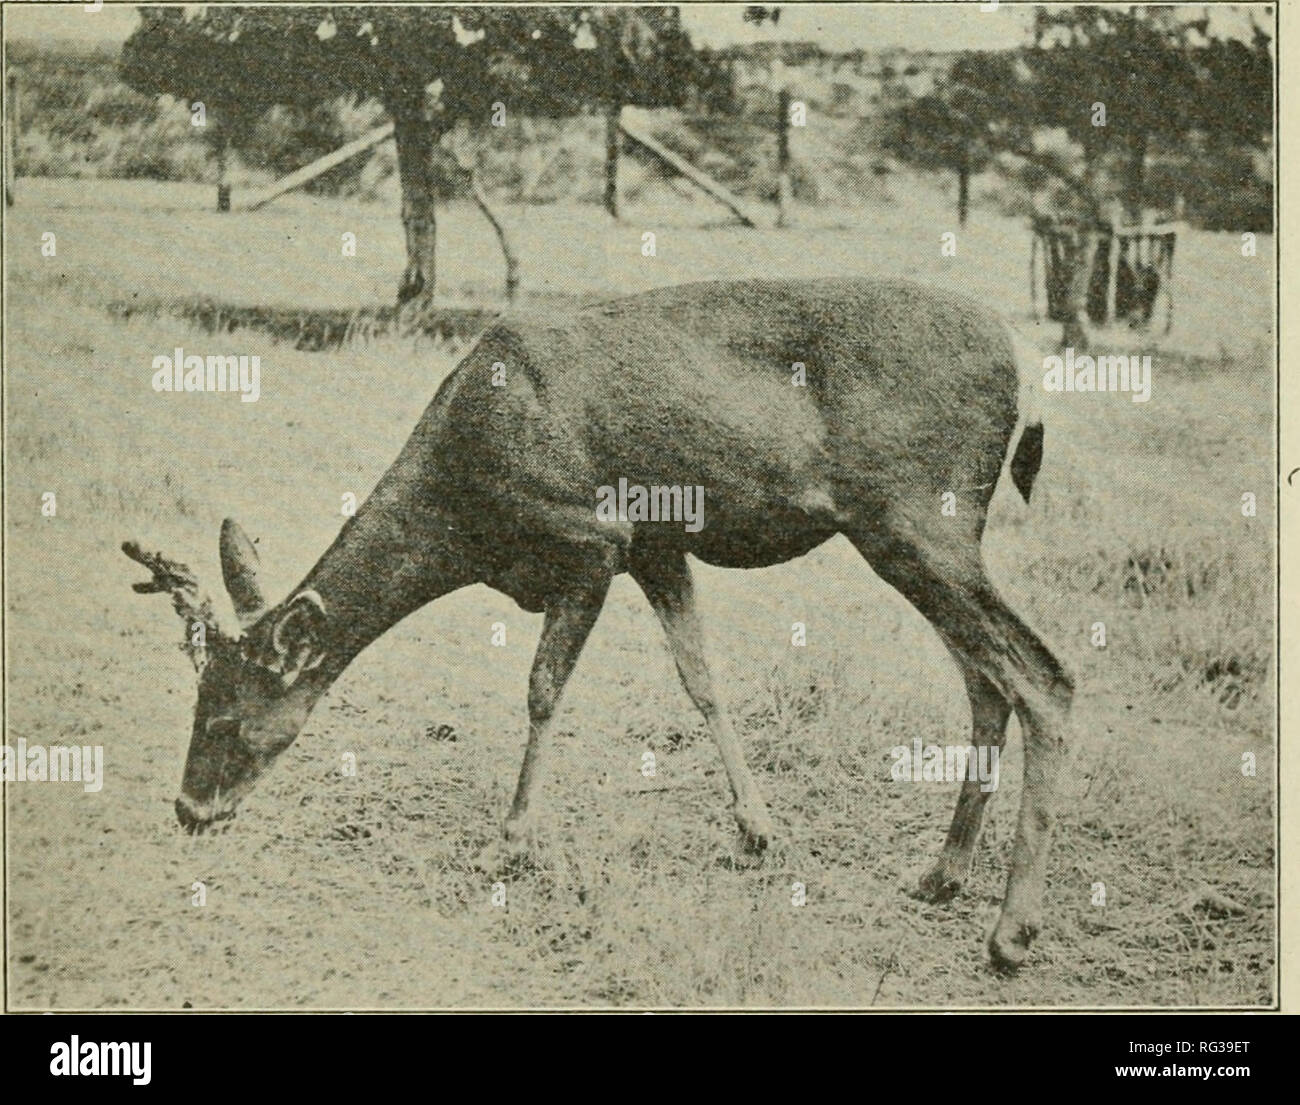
(335, 892)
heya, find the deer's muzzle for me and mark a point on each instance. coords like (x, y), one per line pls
(196, 817)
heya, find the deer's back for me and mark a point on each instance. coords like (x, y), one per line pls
(699, 384)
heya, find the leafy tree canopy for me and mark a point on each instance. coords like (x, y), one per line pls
(537, 60)
(1157, 75)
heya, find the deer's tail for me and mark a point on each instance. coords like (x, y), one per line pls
(1027, 453)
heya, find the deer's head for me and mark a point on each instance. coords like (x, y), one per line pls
(255, 688)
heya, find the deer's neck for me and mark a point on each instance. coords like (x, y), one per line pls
(398, 553)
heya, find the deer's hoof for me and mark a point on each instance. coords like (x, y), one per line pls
(490, 859)
(514, 852)
(1009, 944)
(941, 884)
(757, 833)
(520, 836)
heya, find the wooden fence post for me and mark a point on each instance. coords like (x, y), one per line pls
(682, 167)
(784, 192)
(11, 129)
(310, 172)
(612, 114)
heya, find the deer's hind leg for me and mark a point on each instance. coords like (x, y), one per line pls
(943, 577)
(666, 580)
(990, 711)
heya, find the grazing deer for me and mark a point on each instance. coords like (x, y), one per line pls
(909, 393)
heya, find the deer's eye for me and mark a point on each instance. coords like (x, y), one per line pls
(224, 728)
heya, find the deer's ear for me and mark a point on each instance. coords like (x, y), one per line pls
(297, 636)
(239, 570)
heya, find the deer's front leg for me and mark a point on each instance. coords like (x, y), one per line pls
(666, 581)
(569, 618)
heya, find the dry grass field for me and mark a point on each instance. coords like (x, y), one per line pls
(332, 892)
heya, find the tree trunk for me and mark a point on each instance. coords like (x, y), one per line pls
(963, 188)
(507, 249)
(223, 186)
(1135, 176)
(416, 138)
(1074, 333)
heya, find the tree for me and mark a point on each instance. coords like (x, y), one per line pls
(431, 68)
(1108, 84)
(929, 132)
